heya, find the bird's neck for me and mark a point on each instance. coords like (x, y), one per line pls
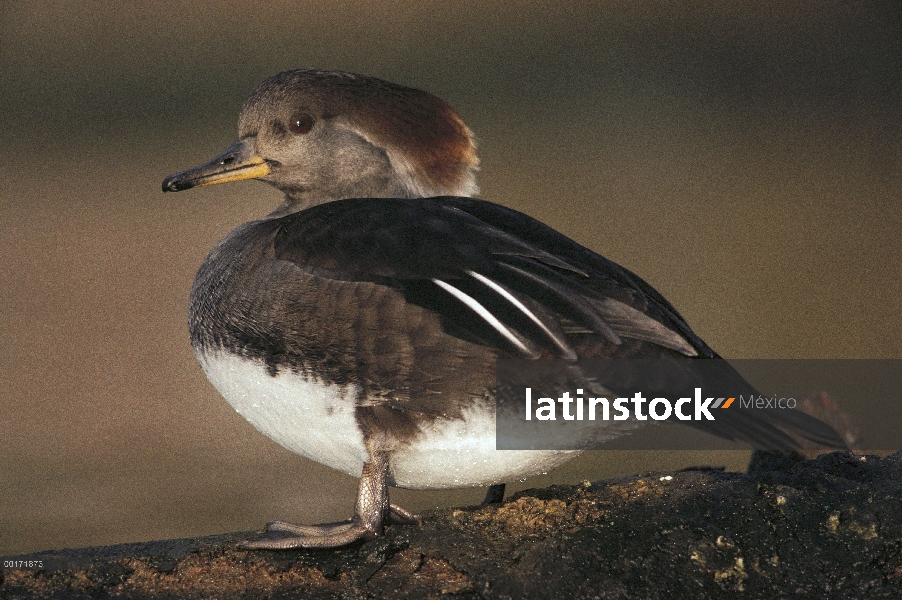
(384, 184)
(297, 199)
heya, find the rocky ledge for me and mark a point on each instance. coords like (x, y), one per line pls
(824, 528)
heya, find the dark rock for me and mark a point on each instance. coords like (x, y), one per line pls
(824, 528)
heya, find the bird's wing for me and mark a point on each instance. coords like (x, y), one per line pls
(500, 278)
(497, 276)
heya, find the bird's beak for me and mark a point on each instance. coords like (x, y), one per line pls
(239, 162)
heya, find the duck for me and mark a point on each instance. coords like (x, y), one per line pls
(360, 323)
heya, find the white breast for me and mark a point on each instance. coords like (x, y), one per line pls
(317, 421)
(306, 417)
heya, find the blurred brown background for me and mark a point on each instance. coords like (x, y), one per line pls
(745, 158)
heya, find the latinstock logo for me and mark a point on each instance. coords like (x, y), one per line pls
(659, 409)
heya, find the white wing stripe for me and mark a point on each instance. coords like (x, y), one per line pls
(480, 310)
(522, 307)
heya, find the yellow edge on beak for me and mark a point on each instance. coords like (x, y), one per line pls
(251, 169)
(237, 163)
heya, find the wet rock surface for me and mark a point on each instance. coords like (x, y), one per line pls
(824, 528)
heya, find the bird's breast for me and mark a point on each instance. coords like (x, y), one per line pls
(313, 419)
(318, 421)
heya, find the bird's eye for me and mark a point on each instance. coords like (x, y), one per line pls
(300, 123)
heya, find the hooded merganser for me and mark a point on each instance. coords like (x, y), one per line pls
(359, 324)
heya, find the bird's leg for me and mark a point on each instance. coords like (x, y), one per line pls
(371, 511)
(494, 495)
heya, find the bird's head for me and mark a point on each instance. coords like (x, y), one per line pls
(320, 136)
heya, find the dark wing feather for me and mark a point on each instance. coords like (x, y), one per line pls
(606, 277)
